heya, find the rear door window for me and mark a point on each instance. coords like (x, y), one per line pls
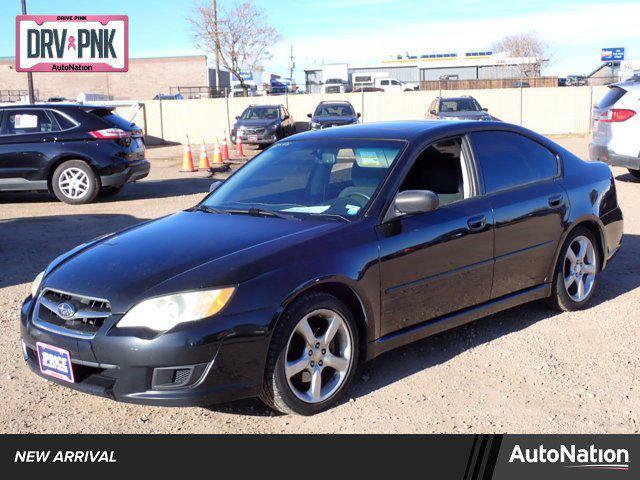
(21, 122)
(613, 95)
(508, 159)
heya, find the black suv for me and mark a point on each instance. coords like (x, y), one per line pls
(74, 151)
(263, 125)
(333, 114)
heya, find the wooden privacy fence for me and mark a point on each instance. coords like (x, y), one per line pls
(536, 82)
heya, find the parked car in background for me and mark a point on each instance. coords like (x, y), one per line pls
(332, 114)
(616, 127)
(336, 85)
(395, 85)
(520, 85)
(169, 96)
(263, 125)
(73, 151)
(322, 252)
(457, 108)
(576, 81)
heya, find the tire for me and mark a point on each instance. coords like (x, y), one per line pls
(566, 297)
(85, 183)
(635, 173)
(290, 394)
(110, 191)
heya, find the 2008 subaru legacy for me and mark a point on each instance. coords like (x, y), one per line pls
(327, 249)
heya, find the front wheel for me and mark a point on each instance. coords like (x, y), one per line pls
(577, 271)
(635, 173)
(75, 182)
(312, 357)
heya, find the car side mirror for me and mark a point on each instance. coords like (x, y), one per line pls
(237, 117)
(215, 185)
(485, 109)
(309, 115)
(432, 112)
(359, 115)
(286, 117)
(414, 202)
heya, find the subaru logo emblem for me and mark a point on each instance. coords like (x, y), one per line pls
(66, 311)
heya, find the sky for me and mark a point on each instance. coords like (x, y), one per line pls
(368, 31)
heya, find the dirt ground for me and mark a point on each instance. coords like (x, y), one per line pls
(527, 370)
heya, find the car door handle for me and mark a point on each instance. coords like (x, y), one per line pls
(477, 223)
(556, 201)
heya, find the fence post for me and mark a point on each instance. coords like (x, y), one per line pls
(226, 96)
(521, 102)
(161, 120)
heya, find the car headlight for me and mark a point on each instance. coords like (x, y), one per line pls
(314, 125)
(271, 128)
(163, 313)
(35, 286)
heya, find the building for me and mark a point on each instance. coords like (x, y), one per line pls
(146, 78)
(471, 65)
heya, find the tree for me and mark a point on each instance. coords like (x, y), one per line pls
(527, 45)
(238, 34)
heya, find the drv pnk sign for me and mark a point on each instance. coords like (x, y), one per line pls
(72, 43)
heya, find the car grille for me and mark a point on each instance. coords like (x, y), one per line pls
(253, 131)
(89, 314)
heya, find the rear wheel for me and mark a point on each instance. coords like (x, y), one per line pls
(577, 272)
(75, 182)
(635, 173)
(312, 357)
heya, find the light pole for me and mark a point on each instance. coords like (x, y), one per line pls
(29, 74)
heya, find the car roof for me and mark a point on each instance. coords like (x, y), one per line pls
(462, 97)
(265, 106)
(335, 101)
(404, 130)
(59, 105)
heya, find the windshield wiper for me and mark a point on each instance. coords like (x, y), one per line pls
(207, 209)
(258, 212)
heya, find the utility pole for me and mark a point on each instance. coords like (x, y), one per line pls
(29, 74)
(216, 32)
(292, 65)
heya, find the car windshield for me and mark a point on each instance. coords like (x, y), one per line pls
(460, 105)
(260, 113)
(329, 178)
(334, 110)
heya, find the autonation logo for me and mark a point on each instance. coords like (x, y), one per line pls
(588, 458)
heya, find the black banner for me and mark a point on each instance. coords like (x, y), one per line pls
(459, 457)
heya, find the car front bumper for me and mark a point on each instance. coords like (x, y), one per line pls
(134, 172)
(259, 139)
(604, 154)
(223, 366)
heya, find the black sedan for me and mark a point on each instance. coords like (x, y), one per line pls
(332, 114)
(326, 250)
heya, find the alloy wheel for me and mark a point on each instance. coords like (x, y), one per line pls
(319, 356)
(580, 268)
(74, 183)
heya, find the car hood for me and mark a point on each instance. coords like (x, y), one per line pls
(470, 115)
(126, 267)
(255, 123)
(334, 120)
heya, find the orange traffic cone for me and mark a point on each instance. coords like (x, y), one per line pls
(225, 148)
(204, 158)
(217, 157)
(239, 150)
(187, 159)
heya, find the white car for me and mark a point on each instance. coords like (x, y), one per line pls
(616, 128)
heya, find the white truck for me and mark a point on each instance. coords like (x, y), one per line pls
(335, 78)
(380, 81)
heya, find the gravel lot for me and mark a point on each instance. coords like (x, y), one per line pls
(528, 370)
